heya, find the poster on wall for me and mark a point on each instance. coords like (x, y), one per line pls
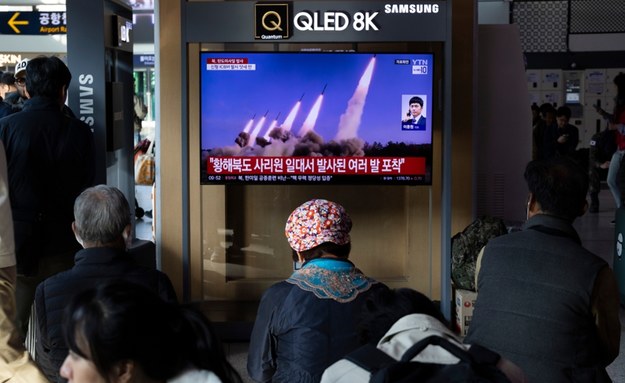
(316, 117)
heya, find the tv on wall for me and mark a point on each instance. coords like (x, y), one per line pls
(316, 118)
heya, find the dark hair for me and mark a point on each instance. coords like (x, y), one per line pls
(564, 111)
(546, 108)
(385, 306)
(119, 320)
(416, 100)
(7, 78)
(559, 185)
(341, 251)
(46, 76)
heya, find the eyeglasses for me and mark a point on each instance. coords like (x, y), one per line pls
(20, 80)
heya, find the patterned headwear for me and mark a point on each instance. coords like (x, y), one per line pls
(315, 222)
(21, 67)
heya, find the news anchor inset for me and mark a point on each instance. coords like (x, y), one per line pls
(414, 120)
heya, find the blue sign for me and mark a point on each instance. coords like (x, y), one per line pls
(33, 23)
(143, 61)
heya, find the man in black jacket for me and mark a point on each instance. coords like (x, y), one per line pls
(102, 226)
(51, 159)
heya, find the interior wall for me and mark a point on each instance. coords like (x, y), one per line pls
(464, 112)
(169, 214)
(504, 142)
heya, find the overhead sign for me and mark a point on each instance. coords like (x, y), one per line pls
(33, 23)
(317, 21)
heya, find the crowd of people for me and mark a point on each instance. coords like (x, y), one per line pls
(552, 135)
(547, 309)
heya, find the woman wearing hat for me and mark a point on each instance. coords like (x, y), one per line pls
(307, 322)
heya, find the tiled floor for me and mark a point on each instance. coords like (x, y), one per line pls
(143, 225)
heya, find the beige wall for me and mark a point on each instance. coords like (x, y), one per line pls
(396, 235)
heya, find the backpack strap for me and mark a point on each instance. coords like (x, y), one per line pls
(482, 355)
(370, 358)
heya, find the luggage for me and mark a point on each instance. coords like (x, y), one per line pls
(466, 246)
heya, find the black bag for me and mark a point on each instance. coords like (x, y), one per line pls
(478, 364)
(466, 246)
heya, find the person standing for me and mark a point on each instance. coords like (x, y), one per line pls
(17, 99)
(16, 366)
(51, 160)
(540, 131)
(544, 301)
(562, 137)
(616, 175)
(601, 148)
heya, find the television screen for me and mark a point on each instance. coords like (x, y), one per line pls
(316, 118)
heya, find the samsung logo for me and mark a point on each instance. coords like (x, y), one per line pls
(411, 8)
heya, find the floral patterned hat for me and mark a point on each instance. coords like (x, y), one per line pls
(315, 222)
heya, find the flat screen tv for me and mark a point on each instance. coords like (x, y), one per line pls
(316, 118)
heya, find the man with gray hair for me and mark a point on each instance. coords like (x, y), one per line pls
(102, 226)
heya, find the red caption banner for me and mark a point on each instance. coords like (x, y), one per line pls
(316, 165)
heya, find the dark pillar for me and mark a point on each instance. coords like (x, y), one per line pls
(99, 55)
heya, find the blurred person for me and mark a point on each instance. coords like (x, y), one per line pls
(394, 320)
(535, 113)
(308, 321)
(18, 98)
(102, 226)
(562, 138)
(7, 84)
(601, 148)
(51, 160)
(7, 89)
(140, 111)
(544, 301)
(121, 332)
(616, 173)
(15, 363)
(539, 132)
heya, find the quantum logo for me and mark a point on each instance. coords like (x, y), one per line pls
(272, 21)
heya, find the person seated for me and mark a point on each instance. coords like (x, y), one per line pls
(396, 319)
(544, 301)
(102, 226)
(308, 321)
(122, 332)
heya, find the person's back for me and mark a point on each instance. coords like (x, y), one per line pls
(538, 289)
(307, 322)
(51, 159)
(102, 225)
(310, 333)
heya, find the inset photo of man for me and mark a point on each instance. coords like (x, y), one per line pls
(414, 119)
